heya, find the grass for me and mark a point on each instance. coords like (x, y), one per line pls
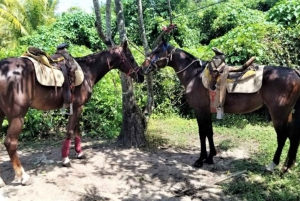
(234, 131)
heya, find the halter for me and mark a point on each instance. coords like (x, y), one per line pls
(168, 58)
(124, 60)
(156, 59)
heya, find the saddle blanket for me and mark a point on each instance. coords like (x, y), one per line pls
(246, 84)
(53, 77)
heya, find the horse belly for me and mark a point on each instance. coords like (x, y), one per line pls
(47, 99)
(236, 103)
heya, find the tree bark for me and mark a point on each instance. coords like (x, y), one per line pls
(98, 24)
(150, 97)
(133, 126)
(108, 20)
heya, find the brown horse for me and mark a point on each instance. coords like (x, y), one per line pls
(280, 92)
(20, 90)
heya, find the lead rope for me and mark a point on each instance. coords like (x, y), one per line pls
(189, 66)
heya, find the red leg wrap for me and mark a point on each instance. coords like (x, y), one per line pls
(78, 144)
(66, 148)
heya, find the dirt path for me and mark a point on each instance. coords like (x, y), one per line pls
(109, 173)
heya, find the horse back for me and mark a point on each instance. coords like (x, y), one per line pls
(15, 67)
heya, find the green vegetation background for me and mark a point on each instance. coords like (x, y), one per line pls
(267, 29)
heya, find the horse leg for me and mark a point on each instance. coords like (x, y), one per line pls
(294, 139)
(2, 116)
(73, 121)
(212, 149)
(11, 144)
(205, 130)
(80, 154)
(282, 129)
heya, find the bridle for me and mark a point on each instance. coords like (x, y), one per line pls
(153, 62)
(125, 61)
(168, 57)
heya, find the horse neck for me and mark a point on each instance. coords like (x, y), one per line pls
(180, 61)
(95, 66)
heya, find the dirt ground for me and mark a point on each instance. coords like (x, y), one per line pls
(110, 173)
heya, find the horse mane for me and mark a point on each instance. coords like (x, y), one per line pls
(84, 58)
(195, 58)
(189, 54)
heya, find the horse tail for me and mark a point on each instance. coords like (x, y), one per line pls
(294, 137)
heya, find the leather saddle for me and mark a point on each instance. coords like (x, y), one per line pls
(63, 61)
(68, 67)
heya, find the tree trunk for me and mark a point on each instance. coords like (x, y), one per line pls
(108, 20)
(133, 126)
(98, 24)
(150, 98)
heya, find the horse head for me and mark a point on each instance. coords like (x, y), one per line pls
(127, 63)
(158, 58)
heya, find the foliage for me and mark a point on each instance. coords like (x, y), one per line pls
(239, 28)
(19, 18)
(39, 124)
(244, 42)
(262, 5)
(285, 12)
(286, 52)
(102, 115)
(76, 27)
(218, 20)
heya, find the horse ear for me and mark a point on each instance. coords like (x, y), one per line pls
(125, 44)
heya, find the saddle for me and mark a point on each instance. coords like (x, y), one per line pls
(219, 75)
(63, 61)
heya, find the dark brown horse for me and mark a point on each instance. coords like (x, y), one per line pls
(20, 90)
(280, 92)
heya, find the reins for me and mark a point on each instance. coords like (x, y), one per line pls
(200, 62)
(169, 58)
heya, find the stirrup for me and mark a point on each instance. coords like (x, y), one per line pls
(220, 112)
(63, 109)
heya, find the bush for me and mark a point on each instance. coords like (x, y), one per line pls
(102, 115)
(285, 12)
(244, 42)
(219, 20)
(75, 28)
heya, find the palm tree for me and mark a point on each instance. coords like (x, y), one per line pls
(21, 17)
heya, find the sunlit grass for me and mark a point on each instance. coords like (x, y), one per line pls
(234, 131)
(172, 131)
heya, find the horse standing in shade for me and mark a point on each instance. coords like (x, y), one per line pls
(20, 90)
(280, 92)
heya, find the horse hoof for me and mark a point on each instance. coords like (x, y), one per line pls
(209, 161)
(67, 164)
(2, 184)
(28, 182)
(285, 169)
(271, 167)
(81, 155)
(198, 164)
